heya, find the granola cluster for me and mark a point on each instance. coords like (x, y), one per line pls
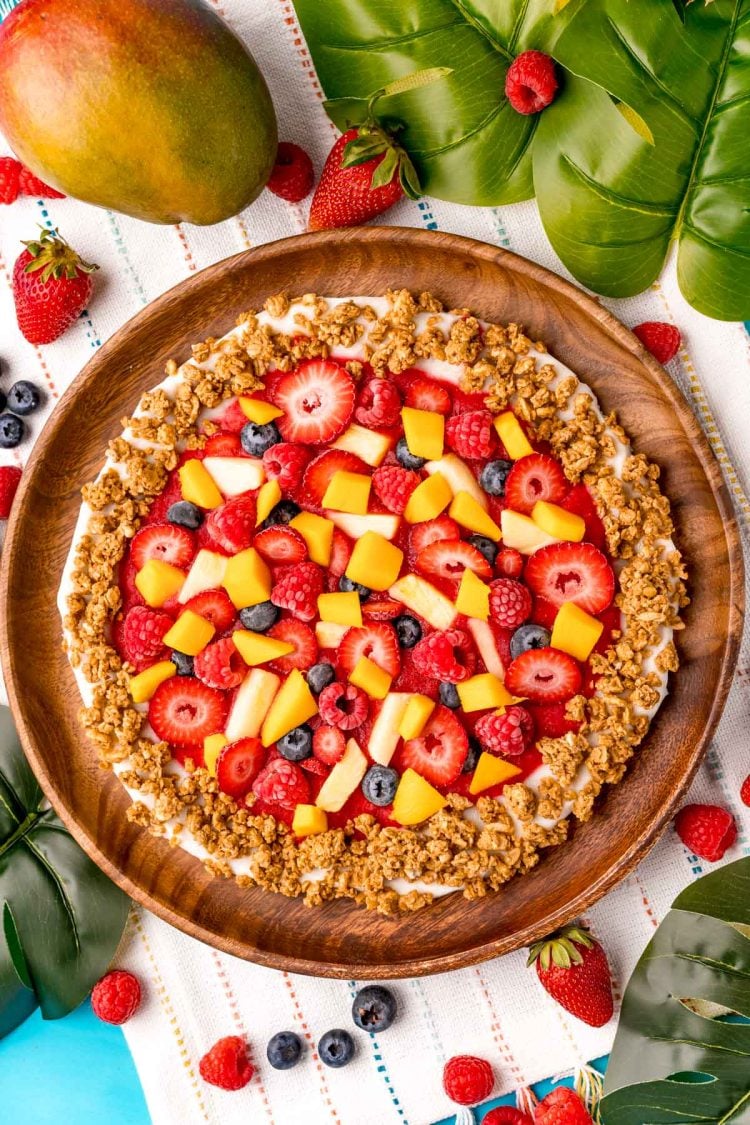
(501, 838)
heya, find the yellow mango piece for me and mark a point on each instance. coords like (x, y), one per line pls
(374, 562)
(520, 532)
(190, 633)
(247, 579)
(482, 692)
(317, 533)
(213, 744)
(348, 492)
(491, 771)
(428, 499)
(198, 486)
(418, 710)
(575, 631)
(340, 609)
(473, 596)
(143, 686)
(268, 497)
(465, 510)
(258, 411)
(369, 445)
(416, 799)
(309, 820)
(257, 648)
(424, 432)
(511, 434)
(371, 678)
(158, 581)
(293, 705)
(556, 521)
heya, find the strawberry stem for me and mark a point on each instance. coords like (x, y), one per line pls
(561, 948)
(52, 255)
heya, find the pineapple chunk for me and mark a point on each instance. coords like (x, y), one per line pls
(343, 779)
(348, 492)
(522, 533)
(330, 635)
(511, 434)
(143, 686)
(317, 533)
(206, 573)
(235, 475)
(384, 735)
(418, 711)
(293, 705)
(356, 526)
(479, 693)
(416, 799)
(428, 499)
(469, 514)
(556, 521)
(575, 631)
(190, 633)
(473, 596)
(424, 432)
(491, 771)
(247, 579)
(370, 446)
(268, 497)
(198, 486)
(251, 704)
(340, 609)
(421, 596)
(371, 678)
(484, 639)
(257, 648)
(258, 411)
(459, 477)
(374, 562)
(158, 581)
(213, 744)
(309, 821)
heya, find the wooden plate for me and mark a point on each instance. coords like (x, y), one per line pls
(339, 939)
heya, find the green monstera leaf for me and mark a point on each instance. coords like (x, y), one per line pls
(680, 1054)
(61, 916)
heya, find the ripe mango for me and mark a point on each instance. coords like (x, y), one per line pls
(309, 820)
(293, 705)
(190, 633)
(348, 492)
(247, 579)
(483, 691)
(465, 510)
(152, 108)
(317, 533)
(473, 596)
(371, 678)
(418, 710)
(340, 609)
(575, 631)
(259, 411)
(157, 581)
(511, 434)
(428, 499)
(424, 432)
(491, 771)
(143, 686)
(213, 744)
(198, 486)
(416, 799)
(257, 648)
(268, 497)
(558, 522)
(374, 562)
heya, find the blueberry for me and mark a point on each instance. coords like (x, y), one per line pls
(284, 1050)
(374, 1008)
(256, 439)
(296, 745)
(527, 637)
(408, 630)
(284, 511)
(185, 514)
(183, 663)
(259, 618)
(336, 1047)
(379, 785)
(449, 696)
(347, 586)
(485, 547)
(407, 459)
(320, 676)
(472, 755)
(494, 475)
(23, 397)
(12, 430)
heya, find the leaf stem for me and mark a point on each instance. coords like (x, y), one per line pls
(23, 828)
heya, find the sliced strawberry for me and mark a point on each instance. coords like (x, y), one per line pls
(377, 641)
(319, 473)
(532, 478)
(571, 572)
(224, 445)
(280, 544)
(550, 720)
(314, 765)
(544, 675)
(422, 534)
(305, 646)
(381, 609)
(424, 394)
(232, 418)
(449, 558)
(440, 751)
(215, 606)
(341, 552)
(329, 744)
(543, 613)
(238, 765)
(184, 711)
(231, 526)
(317, 400)
(580, 501)
(163, 541)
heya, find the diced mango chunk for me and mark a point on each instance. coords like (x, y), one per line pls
(371, 678)
(424, 432)
(491, 771)
(343, 778)
(348, 492)
(213, 744)
(482, 692)
(190, 633)
(473, 596)
(309, 820)
(465, 510)
(558, 522)
(293, 705)
(575, 631)
(416, 799)
(158, 581)
(257, 648)
(511, 434)
(369, 445)
(418, 594)
(418, 710)
(258, 411)
(143, 686)
(520, 532)
(198, 486)
(374, 562)
(268, 497)
(247, 579)
(340, 609)
(428, 499)
(317, 533)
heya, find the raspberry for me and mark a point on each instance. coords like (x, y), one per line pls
(142, 634)
(562, 1107)
(379, 403)
(506, 1115)
(343, 705)
(10, 476)
(467, 1079)
(10, 170)
(226, 1065)
(661, 339)
(296, 588)
(470, 434)
(116, 997)
(286, 462)
(282, 783)
(510, 603)
(292, 175)
(220, 665)
(531, 82)
(445, 656)
(745, 791)
(707, 830)
(232, 525)
(29, 184)
(509, 563)
(509, 734)
(393, 486)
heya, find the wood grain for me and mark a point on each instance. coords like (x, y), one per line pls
(339, 939)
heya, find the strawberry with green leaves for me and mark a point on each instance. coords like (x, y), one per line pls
(572, 967)
(51, 287)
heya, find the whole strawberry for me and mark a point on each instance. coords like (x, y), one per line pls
(51, 287)
(572, 967)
